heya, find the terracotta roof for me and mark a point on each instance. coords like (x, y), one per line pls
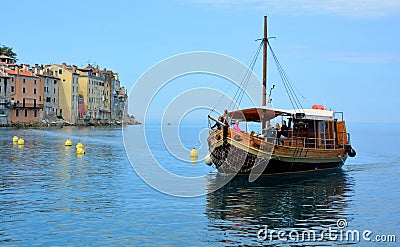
(21, 73)
(84, 69)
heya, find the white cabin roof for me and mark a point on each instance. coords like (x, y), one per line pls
(254, 114)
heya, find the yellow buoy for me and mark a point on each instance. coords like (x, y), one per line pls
(194, 159)
(194, 153)
(21, 141)
(15, 139)
(79, 145)
(80, 151)
(68, 142)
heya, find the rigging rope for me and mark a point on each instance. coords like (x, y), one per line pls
(294, 100)
(241, 85)
(247, 77)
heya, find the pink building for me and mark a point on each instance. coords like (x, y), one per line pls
(26, 96)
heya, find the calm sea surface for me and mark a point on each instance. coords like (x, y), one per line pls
(50, 196)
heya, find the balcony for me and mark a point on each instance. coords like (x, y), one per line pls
(28, 105)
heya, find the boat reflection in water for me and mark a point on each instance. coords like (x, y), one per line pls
(237, 211)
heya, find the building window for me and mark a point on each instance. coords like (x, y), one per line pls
(35, 113)
(23, 90)
(26, 112)
(60, 71)
(48, 99)
(23, 80)
(12, 89)
(12, 78)
(54, 90)
(40, 98)
(17, 113)
(35, 82)
(0, 89)
(34, 91)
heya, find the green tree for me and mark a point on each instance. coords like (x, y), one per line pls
(8, 51)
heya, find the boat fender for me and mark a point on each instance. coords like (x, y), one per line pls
(208, 160)
(350, 151)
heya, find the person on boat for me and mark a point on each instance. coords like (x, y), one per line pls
(278, 133)
(217, 124)
(236, 126)
(284, 129)
(269, 130)
(282, 132)
(278, 130)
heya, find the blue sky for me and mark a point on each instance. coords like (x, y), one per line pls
(343, 54)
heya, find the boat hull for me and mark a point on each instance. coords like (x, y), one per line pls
(231, 158)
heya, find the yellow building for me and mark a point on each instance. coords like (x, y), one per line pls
(68, 90)
(92, 88)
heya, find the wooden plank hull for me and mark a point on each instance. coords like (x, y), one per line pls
(231, 156)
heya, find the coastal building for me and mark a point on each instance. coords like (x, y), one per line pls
(93, 88)
(5, 60)
(50, 92)
(86, 91)
(5, 117)
(58, 91)
(114, 92)
(81, 107)
(100, 94)
(26, 98)
(107, 76)
(122, 112)
(68, 90)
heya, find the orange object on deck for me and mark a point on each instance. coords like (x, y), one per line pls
(319, 107)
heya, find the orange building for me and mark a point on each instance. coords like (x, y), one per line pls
(26, 95)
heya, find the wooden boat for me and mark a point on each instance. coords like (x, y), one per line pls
(316, 138)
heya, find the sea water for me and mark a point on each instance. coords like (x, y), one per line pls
(51, 196)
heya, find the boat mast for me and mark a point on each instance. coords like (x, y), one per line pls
(264, 76)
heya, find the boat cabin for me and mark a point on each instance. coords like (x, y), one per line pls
(307, 128)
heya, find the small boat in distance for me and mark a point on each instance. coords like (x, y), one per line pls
(309, 139)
